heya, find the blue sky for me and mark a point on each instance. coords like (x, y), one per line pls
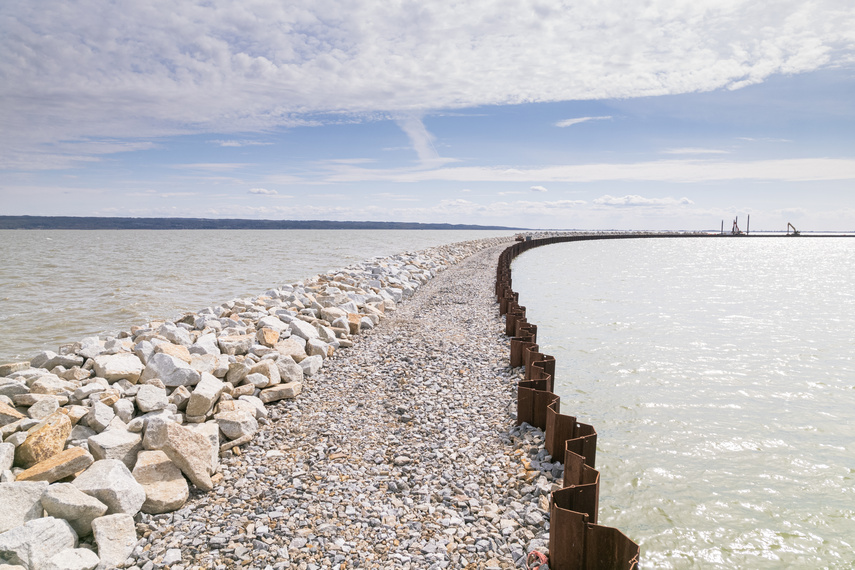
(660, 115)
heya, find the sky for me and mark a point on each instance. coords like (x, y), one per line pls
(648, 115)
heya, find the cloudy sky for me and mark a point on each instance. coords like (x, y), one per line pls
(634, 115)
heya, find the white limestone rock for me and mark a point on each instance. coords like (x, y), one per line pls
(281, 392)
(151, 398)
(166, 489)
(116, 444)
(206, 344)
(289, 371)
(21, 502)
(99, 416)
(172, 371)
(237, 423)
(204, 395)
(116, 536)
(33, 544)
(118, 366)
(7, 456)
(110, 481)
(188, 449)
(66, 501)
(73, 559)
(175, 334)
(311, 365)
(302, 329)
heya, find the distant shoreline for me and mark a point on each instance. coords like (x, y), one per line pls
(98, 223)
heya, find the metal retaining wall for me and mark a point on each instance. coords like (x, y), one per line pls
(576, 541)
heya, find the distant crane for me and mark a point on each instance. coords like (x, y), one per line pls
(795, 231)
(735, 230)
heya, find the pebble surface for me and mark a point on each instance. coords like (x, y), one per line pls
(400, 453)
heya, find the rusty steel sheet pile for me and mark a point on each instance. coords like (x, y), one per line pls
(576, 541)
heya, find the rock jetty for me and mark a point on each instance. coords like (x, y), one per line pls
(245, 436)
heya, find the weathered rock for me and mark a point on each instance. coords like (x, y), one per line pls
(11, 388)
(111, 482)
(237, 372)
(257, 380)
(21, 502)
(53, 385)
(7, 456)
(8, 414)
(43, 407)
(116, 444)
(43, 440)
(180, 396)
(175, 334)
(267, 336)
(151, 398)
(293, 348)
(99, 416)
(172, 371)
(166, 489)
(204, 396)
(289, 371)
(178, 351)
(211, 431)
(302, 329)
(144, 350)
(204, 363)
(205, 345)
(247, 389)
(49, 360)
(6, 369)
(116, 536)
(34, 543)
(62, 465)
(235, 344)
(330, 314)
(84, 392)
(260, 410)
(72, 559)
(117, 366)
(311, 365)
(66, 501)
(353, 322)
(316, 347)
(188, 449)
(89, 347)
(124, 410)
(237, 423)
(281, 392)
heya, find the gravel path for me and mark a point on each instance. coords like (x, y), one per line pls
(400, 453)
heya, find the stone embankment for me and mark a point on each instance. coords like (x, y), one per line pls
(240, 435)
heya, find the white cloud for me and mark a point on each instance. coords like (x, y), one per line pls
(635, 200)
(263, 191)
(693, 150)
(571, 122)
(538, 189)
(77, 70)
(239, 143)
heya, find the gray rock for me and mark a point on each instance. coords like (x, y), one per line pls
(116, 537)
(188, 449)
(317, 347)
(7, 456)
(172, 371)
(258, 380)
(211, 431)
(100, 416)
(166, 490)
(66, 501)
(175, 334)
(181, 395)
(144, 350)
(237, 423)
(237, 372)
(204, 395)
(302, 329)
(21, 502)
(43, 408)
(124, 410)
(111, 482)
(235, 344)
(90, 347)
(311, 365)
(260, 410)
(281, 392)
(33, 544)
(151, 398)
(206, 344)
(289, 371)
(118, 366)
(73, 559)
(269, 369)
(116, 444)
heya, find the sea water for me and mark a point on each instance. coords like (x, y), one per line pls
(59, 286)
(720, 376)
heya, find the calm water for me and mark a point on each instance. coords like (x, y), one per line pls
(59, 286)
(720, 375)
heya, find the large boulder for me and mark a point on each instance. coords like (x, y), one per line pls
(173, 372)
(293, 348)
(116, 444)
(43, 440)
(21, 502)
(117, 366)
(204, 395)
(110, 481)
(62, 465)
(188, 449)
(116, 536)
(166, 489)
(34, 543)
(66, 501)
(289, 371)
(303, 329)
